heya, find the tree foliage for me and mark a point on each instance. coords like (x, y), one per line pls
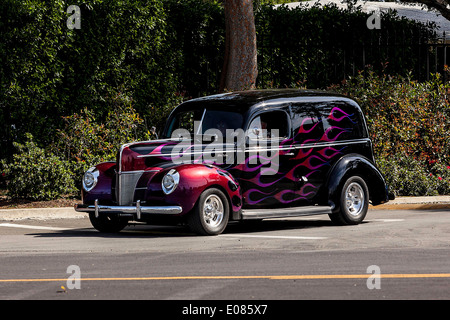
(49, 71)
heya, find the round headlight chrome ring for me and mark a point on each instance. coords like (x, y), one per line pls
(90, 179)
(170, 181)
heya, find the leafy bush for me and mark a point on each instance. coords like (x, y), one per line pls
(404, 116)
(36, 174)
(407, 176)
(87, 140)
(86, 137)
(409, 123)
(441, 177)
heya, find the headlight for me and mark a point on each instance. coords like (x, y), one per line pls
(170, 181)
(90, 179)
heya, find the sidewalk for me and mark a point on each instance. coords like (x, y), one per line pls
(402, 203)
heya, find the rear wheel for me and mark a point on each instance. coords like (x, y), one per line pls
(107, 223)
(211, 213)
(353, 202)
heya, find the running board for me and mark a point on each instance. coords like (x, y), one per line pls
(285, 212)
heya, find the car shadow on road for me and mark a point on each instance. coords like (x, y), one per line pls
(128, 232)
(250, 226)
(136, 230)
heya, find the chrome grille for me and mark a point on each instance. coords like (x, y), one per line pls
(126, 185)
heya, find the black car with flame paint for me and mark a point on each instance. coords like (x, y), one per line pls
(243, 155)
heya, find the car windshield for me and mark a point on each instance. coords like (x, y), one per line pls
(204, 122)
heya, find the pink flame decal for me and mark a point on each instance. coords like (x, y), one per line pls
(302, 154)
(333, 153)
(325, 136)
(339, 119)
(157, 150)
(303, 130)
(302, 194)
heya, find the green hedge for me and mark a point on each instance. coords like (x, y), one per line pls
(409, 123)
(135, 60)
(49, 71)
(157, 53)
(315, 47)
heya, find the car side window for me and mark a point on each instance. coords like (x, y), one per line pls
(269, 125)
(306, 123)
(341, 121)
(326, 122)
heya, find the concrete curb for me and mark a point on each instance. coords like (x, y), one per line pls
(41, 214)
(402, 203)
(415, 203)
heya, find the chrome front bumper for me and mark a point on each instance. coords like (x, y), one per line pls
(131, 211)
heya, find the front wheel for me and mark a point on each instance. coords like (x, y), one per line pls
(211, 213)
(107, 223)
(353, 202)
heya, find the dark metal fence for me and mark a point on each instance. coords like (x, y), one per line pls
(318, 66)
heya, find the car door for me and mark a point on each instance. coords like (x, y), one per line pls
(309, 162)
(265, 181)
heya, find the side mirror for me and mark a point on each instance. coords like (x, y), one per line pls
(256, 131)
(153, 131)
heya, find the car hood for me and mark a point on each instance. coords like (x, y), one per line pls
(151, 155)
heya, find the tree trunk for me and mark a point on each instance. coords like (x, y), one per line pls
(240, 69)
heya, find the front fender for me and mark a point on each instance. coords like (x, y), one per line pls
(357, 165)
(194, 179)
(102, 190)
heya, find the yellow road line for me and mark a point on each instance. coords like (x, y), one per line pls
(270, 277)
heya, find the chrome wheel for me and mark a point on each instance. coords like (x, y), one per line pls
(213, 211)
(353, 203)
(354, 199)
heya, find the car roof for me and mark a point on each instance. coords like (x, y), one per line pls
(250, 102)
(244, 100)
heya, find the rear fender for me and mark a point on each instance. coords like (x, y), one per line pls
(356, 165)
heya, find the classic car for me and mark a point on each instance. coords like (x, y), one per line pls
(238, 156)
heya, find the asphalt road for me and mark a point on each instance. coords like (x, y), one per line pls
(393, 255)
